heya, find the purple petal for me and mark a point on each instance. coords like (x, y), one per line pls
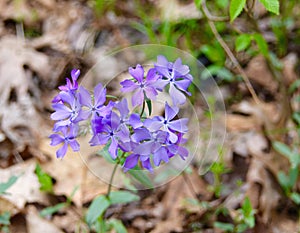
(141, 135)
(183, 85)
(137, 98)
(179, 69)
(100, 95)
(113, 148)
(56, 139)
(151, 93)
(147, 164)
(179, 125)
(75, 74)
(151, 76)
(128, 86)
(130, 162)
(85, 97)
(160, 155)
(160, 84)
(60, 153)
(74, 145)
(137, 73)
(62, 112)
(122, 106)
(172, 137)
(144, 148)
(177, 96)
(135, 121)
(170, 112)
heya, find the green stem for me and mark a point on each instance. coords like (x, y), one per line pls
(143, 109)
(111, 180)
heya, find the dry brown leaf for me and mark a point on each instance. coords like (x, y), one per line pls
(71, 172)
(258, 71)
(262, 189)
(19, 97)
(36, 224)
(173, 10)
(26, 188)
(289, 66)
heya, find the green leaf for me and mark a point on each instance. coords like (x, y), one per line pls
(96, 209)
(242, 42)
(242, 227)
(149, 105)
(293, 176)
(235, 8)
(227, 227)
(5, 218)
(198, 3)
(295, 197)
(45, 180)
(271, 5)
(262, 44)
(214, 53)
(248, 213)
(282, 149)
(117, 225)
(296, 117)
(295, 85)
(141, 177)
(8, 184)
(53, 209)
(284, 181)
(121, 197)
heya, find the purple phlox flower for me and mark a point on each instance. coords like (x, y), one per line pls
(67, 136)
(67, 111)
(71, 85)
(177, 148)
(143, 87)
(128, 119)
(132, 160)
(175, 74)
(109, 132)
(95, 104)
(167, 123)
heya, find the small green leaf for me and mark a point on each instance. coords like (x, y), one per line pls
(248, 213)
(53, 209)
(198, 3)
(271, 5)
(242, 42)
(149, 105)
(141, 177)
(296, 198)
(121, 197)
(227, 227)
(5, 218)
(296, 117)
(117, 225)
(284, 181)
(295, 85)
(293, 176)
(262, 44)
(45, 180)
(96, 209)
(214, 53)
(282, 149)
(8, 184)
(235, 9)
(242, 227)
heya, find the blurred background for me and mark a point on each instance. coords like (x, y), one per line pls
(253, 56)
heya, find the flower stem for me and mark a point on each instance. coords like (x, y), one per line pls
(143, 109)
(111, 180)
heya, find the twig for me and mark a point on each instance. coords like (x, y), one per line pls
(214, 18)
(230, 54)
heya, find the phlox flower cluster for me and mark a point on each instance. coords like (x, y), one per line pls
(131, 137)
